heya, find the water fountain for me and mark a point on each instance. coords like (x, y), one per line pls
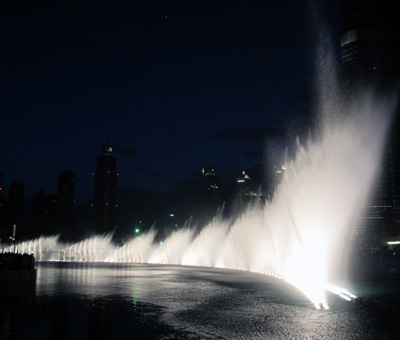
(298, 236)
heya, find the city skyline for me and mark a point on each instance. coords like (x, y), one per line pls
(6, 190)
(174, 86)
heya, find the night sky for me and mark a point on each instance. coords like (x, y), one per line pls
(174, 86)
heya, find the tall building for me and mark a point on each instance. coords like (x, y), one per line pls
(105, 191)
(248, 192)
(45, 214)
(245, 192)
(212, 191)
(370, 46)
(369, 39)
(54, 214)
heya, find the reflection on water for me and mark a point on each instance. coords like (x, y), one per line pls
(115, 301)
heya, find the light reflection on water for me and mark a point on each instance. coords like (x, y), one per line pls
(172, 287)
(118, 301)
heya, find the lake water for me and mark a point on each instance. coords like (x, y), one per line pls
(115, 301)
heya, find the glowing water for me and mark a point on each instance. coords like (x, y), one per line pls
(298, 236)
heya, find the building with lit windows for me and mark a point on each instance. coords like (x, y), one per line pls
(212, 191)
(247, 193)
(105, 191)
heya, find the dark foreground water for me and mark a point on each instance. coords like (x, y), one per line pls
(75, 301)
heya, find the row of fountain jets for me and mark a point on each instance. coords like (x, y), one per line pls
(300, 235)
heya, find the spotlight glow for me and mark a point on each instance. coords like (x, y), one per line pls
(392, 243)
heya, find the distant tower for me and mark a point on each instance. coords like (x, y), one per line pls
(244, 183)
(105, 191)
(244, 188)
(247, 192)
(211, 191)
(66, 201)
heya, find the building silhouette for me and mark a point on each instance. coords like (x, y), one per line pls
(248, 191)
(370, 47)
(104, 191)
(45, 214)
(369, 39)
(212, 191)
(53, 214)
(245, 193)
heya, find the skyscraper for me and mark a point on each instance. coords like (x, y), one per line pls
(369, 38)
(211, 191)
(104, 191)
(370, 46)
(245, 192)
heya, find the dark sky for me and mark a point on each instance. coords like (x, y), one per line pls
(175, 85)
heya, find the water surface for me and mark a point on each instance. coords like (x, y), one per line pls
(115, 301)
